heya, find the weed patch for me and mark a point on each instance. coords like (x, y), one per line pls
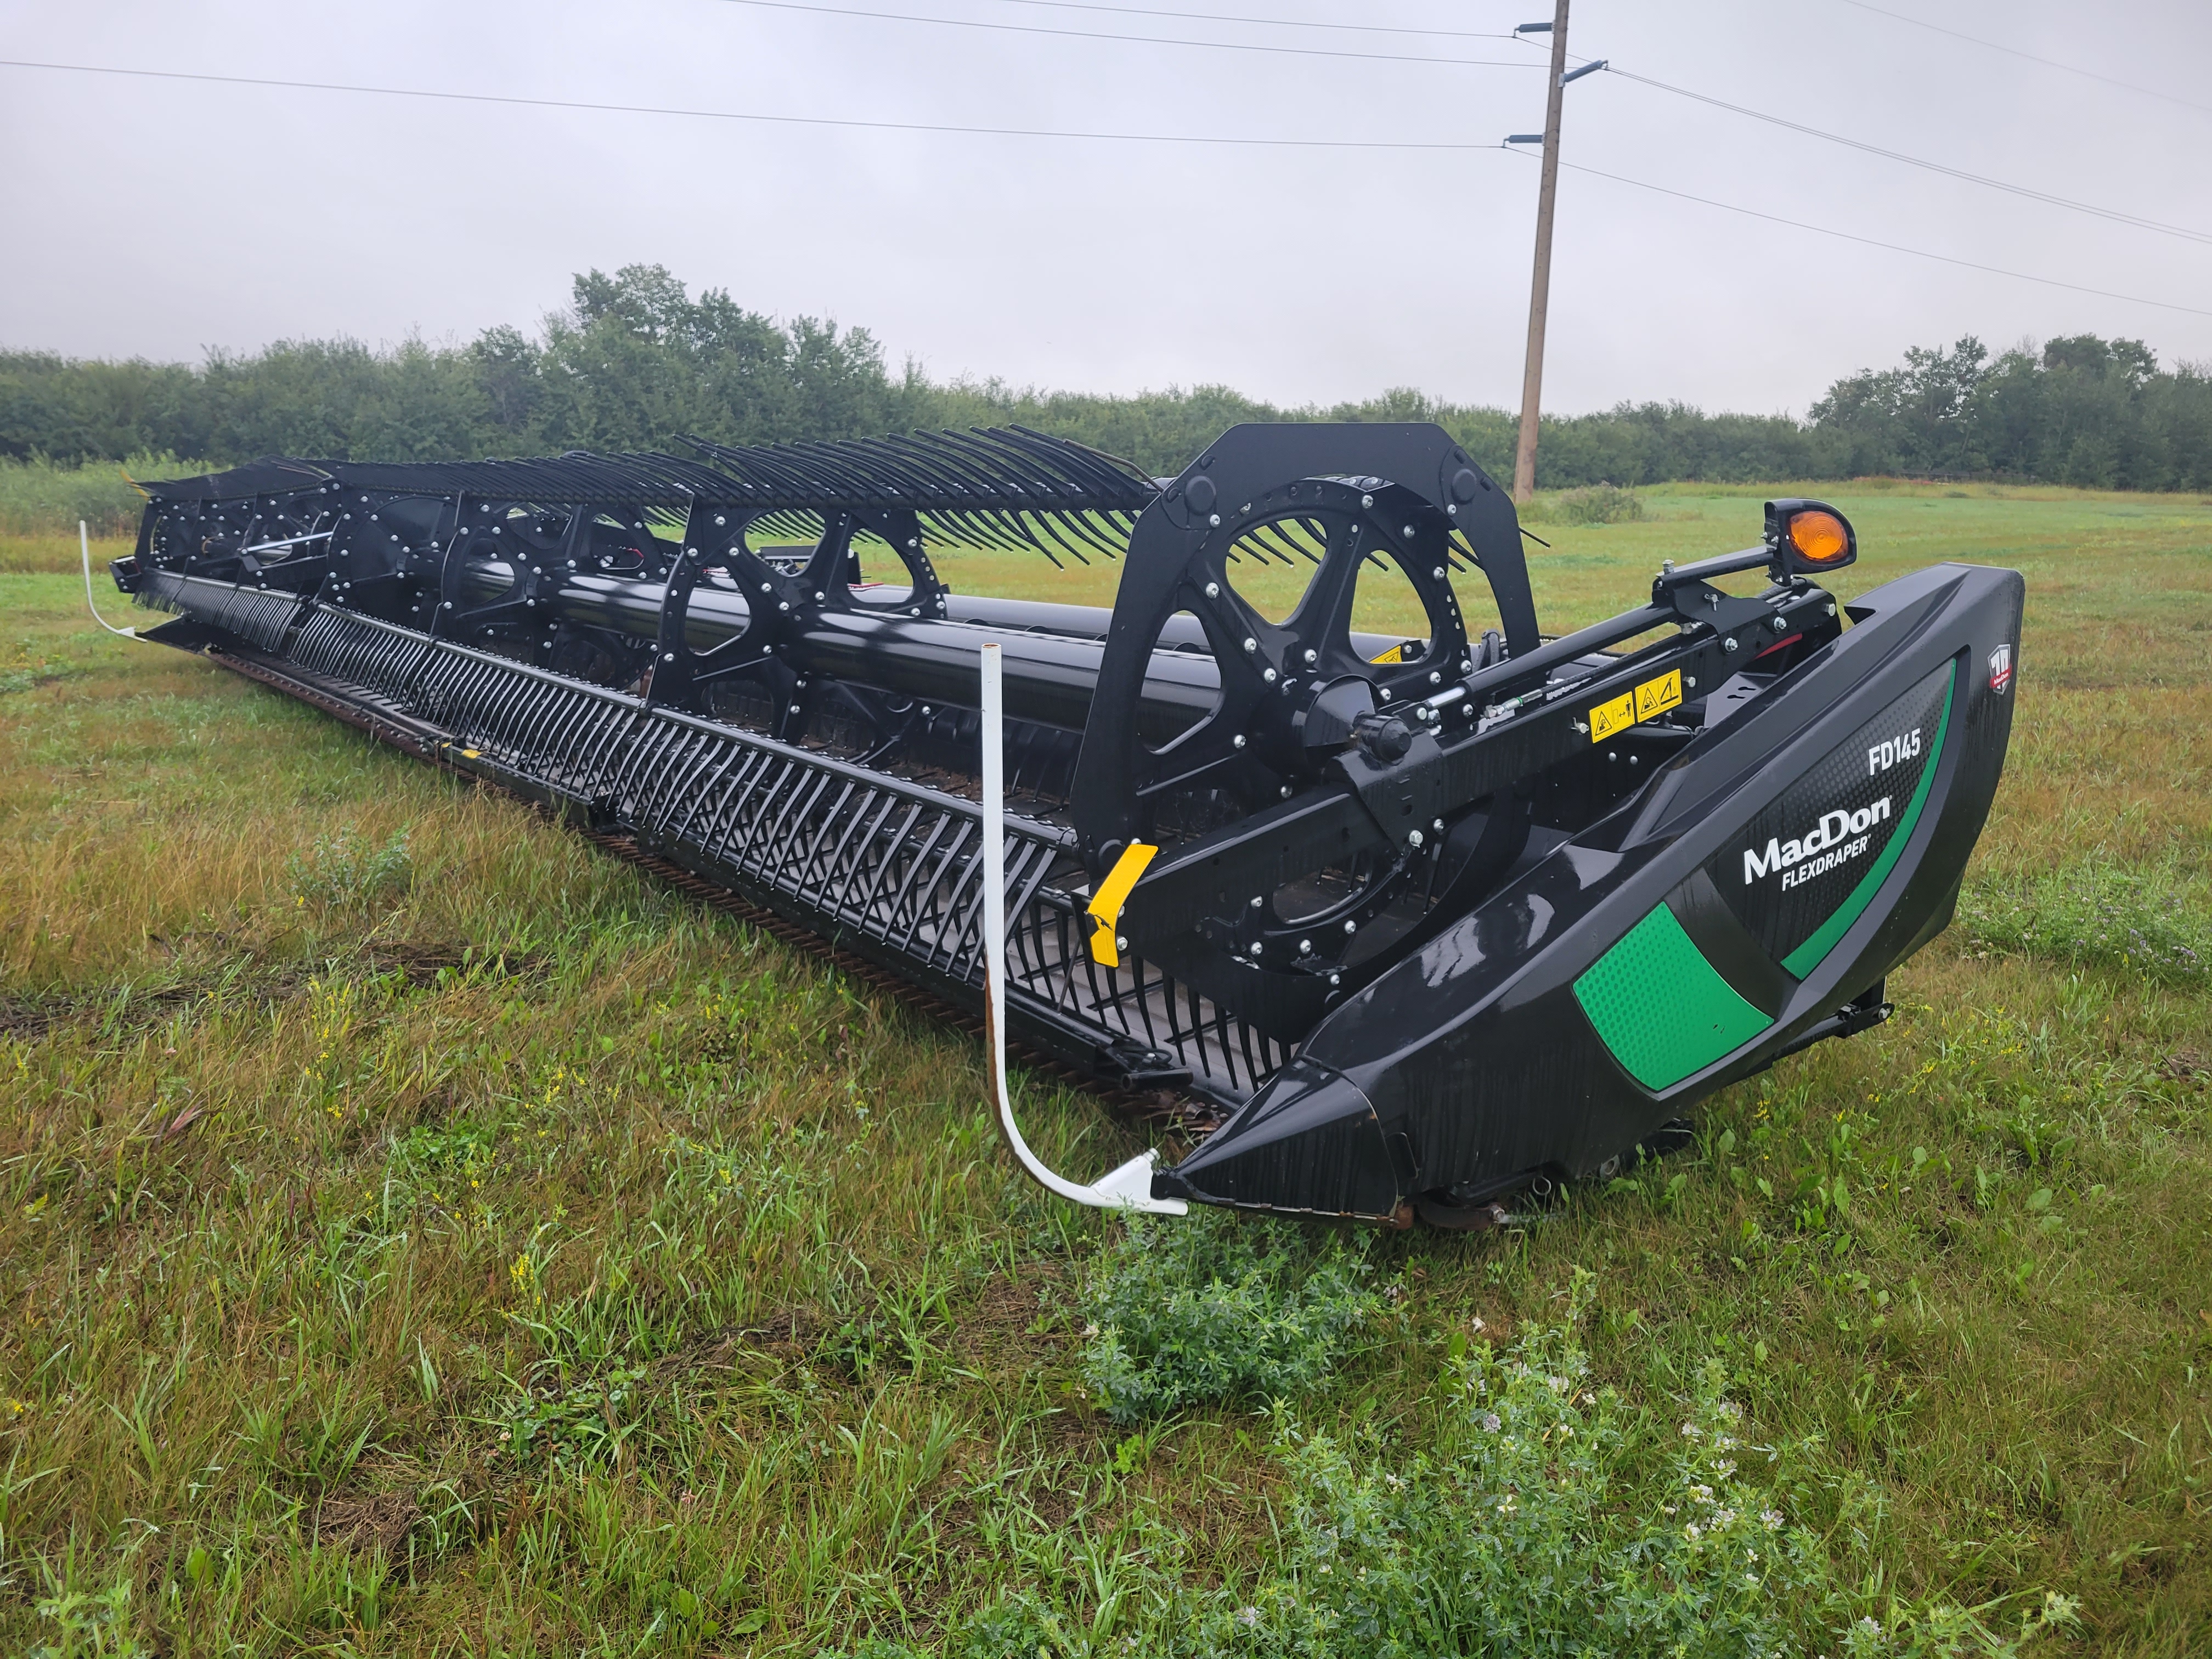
(2156, 923)
(1551, 1515)
(1214, 1307)
(344, 869)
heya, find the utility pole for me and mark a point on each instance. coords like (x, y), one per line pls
(1540, 288)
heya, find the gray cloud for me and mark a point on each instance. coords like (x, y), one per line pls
(162, 218)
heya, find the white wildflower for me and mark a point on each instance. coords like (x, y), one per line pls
(1771, 1519)
(1493, 1422)
(1247, 1617)
(1692, 1529)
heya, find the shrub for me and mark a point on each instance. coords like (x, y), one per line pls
(1214, 1307)
(1597, 503)
(2154, 923)
(344, 869)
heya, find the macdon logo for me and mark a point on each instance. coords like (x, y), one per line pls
(1820, 849)
(1890, 750)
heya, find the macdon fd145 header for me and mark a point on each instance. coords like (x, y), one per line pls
(1404, 925)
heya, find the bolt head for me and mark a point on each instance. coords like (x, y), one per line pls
(1268, 675)
(1367, 501)
(1120, 943)
(1312, 656)
(668, 656)
(1257, 947)
(1213, 590)
(1414, 838)
(1213, 518)
(1727, 645)
(1251, 645)
(1237, 741)
(1305, 947)
(1351, 927)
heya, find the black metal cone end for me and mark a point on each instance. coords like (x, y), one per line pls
(1309, 1142)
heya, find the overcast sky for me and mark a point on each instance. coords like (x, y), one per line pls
(168, 217)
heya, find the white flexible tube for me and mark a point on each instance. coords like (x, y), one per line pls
(1129, 1187)
(84, 548)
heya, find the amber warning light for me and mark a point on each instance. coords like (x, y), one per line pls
(1810, 536)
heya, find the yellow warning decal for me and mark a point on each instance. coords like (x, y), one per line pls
(1652, 697)
(1658, 697)
(1395, 653)
(1608, 718)
(1105, 908)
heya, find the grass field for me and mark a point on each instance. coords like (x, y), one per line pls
(418, 1234)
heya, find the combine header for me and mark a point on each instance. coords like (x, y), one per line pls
(1420, 920)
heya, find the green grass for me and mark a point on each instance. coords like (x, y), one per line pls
(419, 1234)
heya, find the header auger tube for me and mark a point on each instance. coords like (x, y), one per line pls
(1393, 924)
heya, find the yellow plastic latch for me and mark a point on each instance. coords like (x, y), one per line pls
(1113, 892)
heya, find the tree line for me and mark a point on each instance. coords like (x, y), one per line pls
(634, 362)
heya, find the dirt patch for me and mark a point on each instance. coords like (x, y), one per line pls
(129, 1008)
(365, 1520)
(1011, 1320)
(2183, 1064)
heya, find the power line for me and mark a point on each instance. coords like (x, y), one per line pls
(2113, 214)
(1268, 22)
(1137, 40)
(515, 100)
(2014, 51)
(2031, 194)
(1893, 248)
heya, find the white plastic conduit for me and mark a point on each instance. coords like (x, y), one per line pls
(1129, 1187)
(84, 548)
